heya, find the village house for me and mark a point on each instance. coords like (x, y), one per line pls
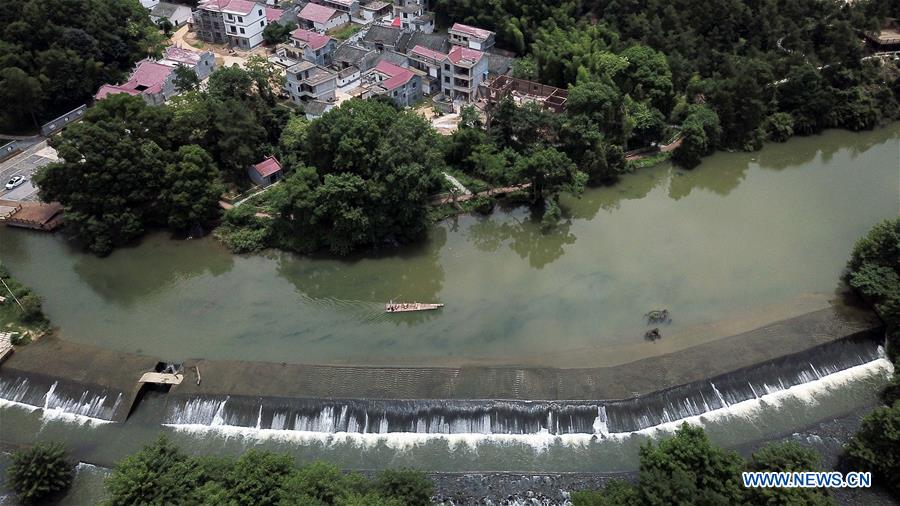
(413, 15)
(381, 38)
(374, 10)
(203, 63)
(350, 61)
(265, 172)
(320, 18)
(351, 7)
(177, 14)
(307, 81)
(471, 37)
(238, 23)
(463, 71)
(887, 39)
(308, 45)
(429, 62)
(434, 41)
(403, 85)
(154, 80)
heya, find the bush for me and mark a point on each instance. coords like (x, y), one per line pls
(412, 488)
(40, 472)
(876, 446)
(786, 457)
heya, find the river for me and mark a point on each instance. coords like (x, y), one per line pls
(742, 240)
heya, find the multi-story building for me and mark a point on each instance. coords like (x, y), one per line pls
(463, 70)
(430, 62)
(308, 45)
(239, 23)
(471, 37)
(413, 15)
(401, 84)
(307, 81)
(374, 10)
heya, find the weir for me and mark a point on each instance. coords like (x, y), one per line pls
(470, 400)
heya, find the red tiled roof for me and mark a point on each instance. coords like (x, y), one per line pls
(148, 78)
(428, 53)
(315, 40)
(396, 23)
(316, 13)
(481, 33)
(460, 53)
(111, 89)
(267, 167)
(273, 14)
(397, 76)
(240, 6)
(181, 55)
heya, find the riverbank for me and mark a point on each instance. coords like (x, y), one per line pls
(21, 316)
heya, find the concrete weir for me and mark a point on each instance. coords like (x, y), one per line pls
(476, 399)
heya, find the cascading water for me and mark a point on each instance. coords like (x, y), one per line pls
(58, 397)
(493, 418)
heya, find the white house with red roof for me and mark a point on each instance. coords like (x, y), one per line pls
(463, 71)
(471, 37)
(238, 23)
(321, 18)
(265, 172)
(203, 62)
(403, 85)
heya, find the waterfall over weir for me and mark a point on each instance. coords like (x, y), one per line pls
(523, 418)
(57, 396)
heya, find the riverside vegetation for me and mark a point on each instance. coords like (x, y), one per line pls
(685, 468)
(725, 75)
(21, 312)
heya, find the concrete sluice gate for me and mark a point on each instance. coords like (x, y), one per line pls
(488, 417)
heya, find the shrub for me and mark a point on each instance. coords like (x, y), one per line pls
(40, 472)
(786, 457)
(876, 446)
(412, 488)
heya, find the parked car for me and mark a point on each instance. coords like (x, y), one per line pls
(15, 181)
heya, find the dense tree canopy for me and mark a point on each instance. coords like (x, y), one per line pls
(39, 473)
(54, 54)
(161, 472)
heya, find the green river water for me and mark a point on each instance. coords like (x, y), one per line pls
(742, 240)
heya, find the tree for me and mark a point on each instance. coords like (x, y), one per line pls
(780, 126)
(647, 77)
(410, 487)
(256, 477)
(21, 94)
(550, 172)
(192, 189)
(876, 445)
(786, 457)
(154, 475)
(688, 469)
(275, 32)
(186, 79)
(40, 472)
(700, 136)
(165, 26)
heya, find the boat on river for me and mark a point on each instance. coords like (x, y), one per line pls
(405, 307)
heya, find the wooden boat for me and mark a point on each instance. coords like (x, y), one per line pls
(405, 307)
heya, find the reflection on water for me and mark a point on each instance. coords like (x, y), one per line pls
(741, 232)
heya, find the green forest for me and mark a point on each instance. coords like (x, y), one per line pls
(55, 54)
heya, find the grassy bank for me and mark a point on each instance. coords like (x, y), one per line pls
(20, 311)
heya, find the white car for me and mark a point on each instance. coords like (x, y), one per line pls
(15, 181)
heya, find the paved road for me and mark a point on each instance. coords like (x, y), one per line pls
(25, 164)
